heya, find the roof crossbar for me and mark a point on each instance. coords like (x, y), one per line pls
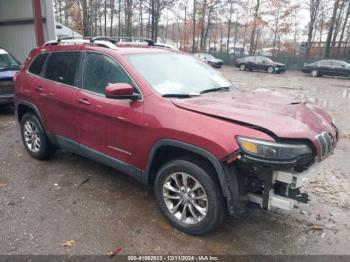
(109, 42)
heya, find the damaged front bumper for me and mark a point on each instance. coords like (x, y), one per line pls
(284, 190)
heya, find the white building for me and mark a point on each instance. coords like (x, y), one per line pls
(25, 24)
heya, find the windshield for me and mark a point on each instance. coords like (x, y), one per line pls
(169, 73)
(267, 60)
(209, 56)
(6, 60)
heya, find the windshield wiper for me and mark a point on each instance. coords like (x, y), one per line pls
(215, 89)
(181, 95)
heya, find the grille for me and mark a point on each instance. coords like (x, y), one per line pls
(6, 87)
(325, 141)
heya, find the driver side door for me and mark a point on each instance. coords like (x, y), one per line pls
(109, 129)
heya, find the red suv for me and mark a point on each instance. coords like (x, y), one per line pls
(173, 123)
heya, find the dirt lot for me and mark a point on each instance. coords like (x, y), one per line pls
(42, 204)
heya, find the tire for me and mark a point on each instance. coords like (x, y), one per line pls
(34, 138)
(242, 67)
(270, 70)
(193, 222)
(315, 73)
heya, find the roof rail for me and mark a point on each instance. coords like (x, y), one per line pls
(110, 42)
(116, 40)
(81, 40)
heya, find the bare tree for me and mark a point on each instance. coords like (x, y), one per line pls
(331, 29)
(255, 23)
(314, 9)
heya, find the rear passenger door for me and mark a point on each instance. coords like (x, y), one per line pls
(325, 67)
(339, 68)
(59, 87)
(250, 62)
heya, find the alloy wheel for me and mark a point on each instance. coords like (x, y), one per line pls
(314, 73)
(242, 67)
(31, 136)
(185, 198)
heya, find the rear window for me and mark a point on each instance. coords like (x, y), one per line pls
(37, 64)
(61, 67)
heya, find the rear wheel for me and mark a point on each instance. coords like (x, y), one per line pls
(315, 73)
(242, 67)
(34, 138)
(189, 197)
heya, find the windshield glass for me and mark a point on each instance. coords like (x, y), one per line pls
(6, 60)
(267, 60)
(169, 73)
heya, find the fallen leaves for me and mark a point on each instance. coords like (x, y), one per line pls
(3, 184)
(114, 252)
(68, 243)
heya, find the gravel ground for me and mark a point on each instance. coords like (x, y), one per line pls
(45, 203)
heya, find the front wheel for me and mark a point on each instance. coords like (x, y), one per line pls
(315, 73)
(242, 67)
(270, 70)
(189, 197)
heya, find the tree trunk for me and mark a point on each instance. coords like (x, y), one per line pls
(119, 19)
(194, 27)
(344, 26)
(112, 16)
(331, 28)
(128, 17)
(229, 28)
(255, 21)
(141, 19)
(85, 17)
(314, 7)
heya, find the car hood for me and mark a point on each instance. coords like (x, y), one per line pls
(215, 60)
(283, 115)
(279, 64)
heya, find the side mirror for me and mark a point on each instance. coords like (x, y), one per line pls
(121, 91)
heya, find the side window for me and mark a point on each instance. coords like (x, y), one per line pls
(259, 60)
(61, 67)
(325, 62)
(339, 63)
(251, 59)
(37, 64)
(100, 71)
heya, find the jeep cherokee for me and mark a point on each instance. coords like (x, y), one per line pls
(173, 123)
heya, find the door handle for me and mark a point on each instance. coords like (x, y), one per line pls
(84, 101)
(39, 89)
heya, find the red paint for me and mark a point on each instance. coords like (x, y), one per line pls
(38, 22)
(211, 121)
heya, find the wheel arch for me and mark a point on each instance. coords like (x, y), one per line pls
(23, 107)
(157, 158)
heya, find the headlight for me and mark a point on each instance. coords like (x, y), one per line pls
(272, 150)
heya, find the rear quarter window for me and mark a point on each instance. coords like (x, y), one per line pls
(61, 67)
(37, 64)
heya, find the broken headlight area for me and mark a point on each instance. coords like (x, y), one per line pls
(280, 155)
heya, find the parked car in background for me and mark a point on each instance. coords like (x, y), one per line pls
(328, 67)
(203, 145)
(9, 66)
(260, 63)
(209, 59)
